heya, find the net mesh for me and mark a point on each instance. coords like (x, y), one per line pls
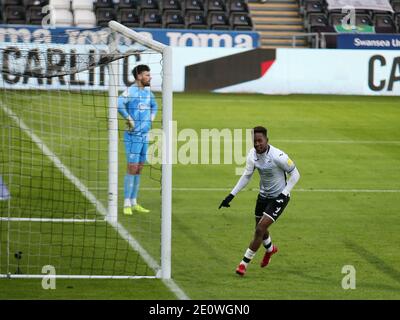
(54, 161)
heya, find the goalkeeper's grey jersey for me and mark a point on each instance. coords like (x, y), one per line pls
(272, 166)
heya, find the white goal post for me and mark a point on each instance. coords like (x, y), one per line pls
(166, 183)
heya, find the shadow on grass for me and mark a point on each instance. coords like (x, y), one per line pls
(371, 258)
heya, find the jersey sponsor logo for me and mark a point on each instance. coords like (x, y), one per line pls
(143, 106)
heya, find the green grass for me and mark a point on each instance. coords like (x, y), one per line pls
(338, 143)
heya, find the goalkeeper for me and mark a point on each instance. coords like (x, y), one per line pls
(138, 106)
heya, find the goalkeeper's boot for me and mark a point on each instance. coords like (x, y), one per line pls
(140, 209)
(267, 256)
(241, 269)
(128, 211)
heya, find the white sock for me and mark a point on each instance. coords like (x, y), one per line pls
(133, 202)
(248, 255)
(267, 243)
(127, 203)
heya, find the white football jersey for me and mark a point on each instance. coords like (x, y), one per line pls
(272, 166)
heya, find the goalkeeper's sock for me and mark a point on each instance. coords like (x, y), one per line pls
(133, 202)
(128, 187)
(135, 188)
(267, 243)
(248, 256)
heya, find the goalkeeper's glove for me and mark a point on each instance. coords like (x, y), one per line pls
(225, 202)
(130, 123)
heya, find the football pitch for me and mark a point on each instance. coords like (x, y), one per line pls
(343, 212)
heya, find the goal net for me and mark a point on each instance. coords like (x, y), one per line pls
(63, 162)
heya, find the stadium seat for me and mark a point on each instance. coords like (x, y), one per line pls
(237, 6)
(313, 7)
(195, 20)
(364, 12)
(103, 4)
(398, 23)
(396, 6)
(363, 19)
(82, 5)
(34, 15)
(7, 3)
(127, 4)
(35, 3)
(60, 4)
(335, 18)
(173, 19)
(303, 4)
(170, 5)
(148, 4)
(193, 5)
(104, 15)
(14, 15)
(84, 18)
(316, 22)
(129, 18)
(384, 23)
(218, 21)
(150, 18)
(63, 18)
(215, 5)
(240, 21)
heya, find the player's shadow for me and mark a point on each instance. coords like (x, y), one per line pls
(374, 260)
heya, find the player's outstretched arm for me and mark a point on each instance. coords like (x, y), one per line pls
(243, 181)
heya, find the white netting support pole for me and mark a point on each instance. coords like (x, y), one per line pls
(166, 180)
(112, 214)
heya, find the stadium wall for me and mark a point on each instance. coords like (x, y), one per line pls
(265, 71)
(302, 71)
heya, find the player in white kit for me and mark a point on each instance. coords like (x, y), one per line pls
(273, 165)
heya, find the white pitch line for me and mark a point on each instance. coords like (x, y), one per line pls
(307, 141)
(338, 141)
(265, 98)
(48, 220)
(294, 190)
(351, 190)
(92, 198)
